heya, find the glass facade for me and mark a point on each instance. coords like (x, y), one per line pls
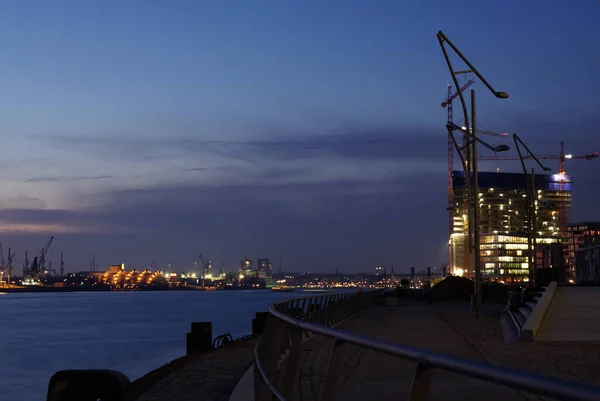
(505, 257)
(578, 236)
(503, 202)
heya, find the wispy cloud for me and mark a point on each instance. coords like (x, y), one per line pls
(362, 142)
(63, 179)
(338, 154)
(232, 220)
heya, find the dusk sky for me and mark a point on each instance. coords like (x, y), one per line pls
(309, 132)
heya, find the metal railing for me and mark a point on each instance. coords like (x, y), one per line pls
(292, 322)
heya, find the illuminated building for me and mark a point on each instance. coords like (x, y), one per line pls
(502, 199)
(577, 236)
(504, 257)
(116, 268)
(265, 265)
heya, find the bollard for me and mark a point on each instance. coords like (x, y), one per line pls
(87, 385)
(258, 323)
(200, 338)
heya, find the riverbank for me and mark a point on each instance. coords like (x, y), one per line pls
(34, 289)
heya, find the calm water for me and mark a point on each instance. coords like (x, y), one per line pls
(133, 332)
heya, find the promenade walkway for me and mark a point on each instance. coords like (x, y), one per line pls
(574, 315)
(447, 328)
(206, 376)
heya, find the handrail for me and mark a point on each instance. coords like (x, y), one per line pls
(266, 385)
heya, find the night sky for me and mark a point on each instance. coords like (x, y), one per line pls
(304, 131)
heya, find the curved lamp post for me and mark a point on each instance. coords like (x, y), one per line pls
(471, 157)
(471, 138)
(530, 206)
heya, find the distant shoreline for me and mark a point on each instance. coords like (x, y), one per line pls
(88, 289)
(36, 289)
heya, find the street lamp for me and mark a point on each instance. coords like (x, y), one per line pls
(471, 198)
(453, 127)
(471, 157)
(530, 206)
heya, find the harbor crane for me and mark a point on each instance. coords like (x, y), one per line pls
(11, 257)
(26, 265)
(563, 214)
(206, 263)
(3, 264)
(42, 260)
(62, 265)
(39, 263)
(50, 270)
(6, 267)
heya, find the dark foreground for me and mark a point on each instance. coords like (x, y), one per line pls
(446, 327)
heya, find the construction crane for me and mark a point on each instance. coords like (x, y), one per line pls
(563, 215)
(448, 105)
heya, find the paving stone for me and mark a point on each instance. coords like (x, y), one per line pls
(480, 339)
(212, 376)
(209, 376)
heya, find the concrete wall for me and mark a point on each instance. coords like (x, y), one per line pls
(531, 327)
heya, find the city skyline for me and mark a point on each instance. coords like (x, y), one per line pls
(309, 133)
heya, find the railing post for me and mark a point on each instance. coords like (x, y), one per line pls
(334, 368)
(272, 342)
(419, 389)
(322, 317)
(291, 364)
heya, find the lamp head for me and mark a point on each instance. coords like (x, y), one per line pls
(501, 148)
(501, 95)
(547, 169)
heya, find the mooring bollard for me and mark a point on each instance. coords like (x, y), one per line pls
(200, 338)
(87, 385)
(258, 323)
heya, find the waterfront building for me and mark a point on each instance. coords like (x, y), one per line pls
(114, 269)
(587, 265)
(550, 263)
(577, 236)
(503, 201)
(265, 265)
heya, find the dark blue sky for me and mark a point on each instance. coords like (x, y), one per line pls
(309, 131)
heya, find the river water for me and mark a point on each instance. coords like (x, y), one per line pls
(133, 332)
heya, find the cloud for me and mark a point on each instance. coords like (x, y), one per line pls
(351, 224)
(372, 153)
(341, 199)
(22, 201)
(38, 221)
(59, 179)
(276, 142)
